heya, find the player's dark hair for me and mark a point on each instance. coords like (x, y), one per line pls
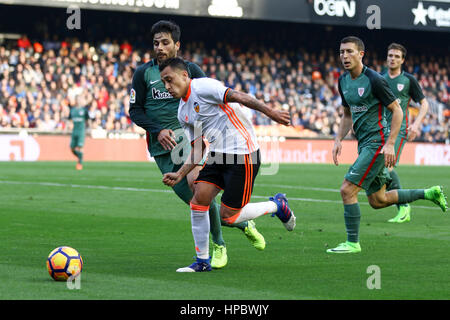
(174, 63)
(357, 41)
(397, 46)
(167, 27)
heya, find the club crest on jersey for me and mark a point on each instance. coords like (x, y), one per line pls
(196, 107)
(400, 86)
(360, 91)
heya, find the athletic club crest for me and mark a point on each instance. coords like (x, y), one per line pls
(400, 86)
(360, 91)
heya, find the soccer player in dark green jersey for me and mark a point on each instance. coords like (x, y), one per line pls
(155, 110)
(405, 87)
(79, 115)
(365, 95)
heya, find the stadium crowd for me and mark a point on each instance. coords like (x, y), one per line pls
(39, 80)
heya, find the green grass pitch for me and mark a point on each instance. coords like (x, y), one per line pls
(133, 233)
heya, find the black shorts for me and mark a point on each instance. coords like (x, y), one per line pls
(233, 173)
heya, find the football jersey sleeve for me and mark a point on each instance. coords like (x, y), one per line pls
(381, 90)
(211, 91)
(195, 71)
(344, 102)
(137, 101)
(415, 91)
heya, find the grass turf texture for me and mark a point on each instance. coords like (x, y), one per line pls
(133, 233)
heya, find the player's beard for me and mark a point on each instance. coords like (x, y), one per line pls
(161, 58)
(164, 56)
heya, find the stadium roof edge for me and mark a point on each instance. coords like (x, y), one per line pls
(423, 15)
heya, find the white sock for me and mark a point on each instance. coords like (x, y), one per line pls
(200, 230)
(253, 210)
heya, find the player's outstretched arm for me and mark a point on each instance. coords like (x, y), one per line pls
(414, 129)
(344, 128)
(280, 116)
(396, 122)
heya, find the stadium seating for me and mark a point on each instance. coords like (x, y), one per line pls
(38, 80)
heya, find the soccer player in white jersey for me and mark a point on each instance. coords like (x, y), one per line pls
(207, 112)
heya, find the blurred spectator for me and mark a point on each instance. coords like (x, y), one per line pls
(23, 43)
(38, 81)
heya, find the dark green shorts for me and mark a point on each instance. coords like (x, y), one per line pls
(165, 165)
(368, 171)
(399, 144)
(77, 140)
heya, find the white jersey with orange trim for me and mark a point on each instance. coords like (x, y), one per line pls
(205, 112)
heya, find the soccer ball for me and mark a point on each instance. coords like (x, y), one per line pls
(64, 262)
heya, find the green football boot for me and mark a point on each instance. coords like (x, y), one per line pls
(436, 194)
(255, 238)
(403, 215)
(219, 257)
(346, 247)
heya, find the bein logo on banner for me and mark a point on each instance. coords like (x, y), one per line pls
(332, 8)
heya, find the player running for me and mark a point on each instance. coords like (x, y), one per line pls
(206, 111)
(155, 110)
(405, 87)
(79, 115)
(364, 94)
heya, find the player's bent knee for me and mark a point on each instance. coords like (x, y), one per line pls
(229, 216)
(374, 204)
(344, 191)
(202, 196)
(227, 213)
(377, 202)
(347, 191)
(199, 200)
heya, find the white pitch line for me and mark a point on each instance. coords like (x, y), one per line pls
(296, 187)
(54, 184)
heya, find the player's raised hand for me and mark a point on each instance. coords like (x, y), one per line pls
(337, 148)
(389, 155)
(281, 116)
(166, 138)
(171, 178)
